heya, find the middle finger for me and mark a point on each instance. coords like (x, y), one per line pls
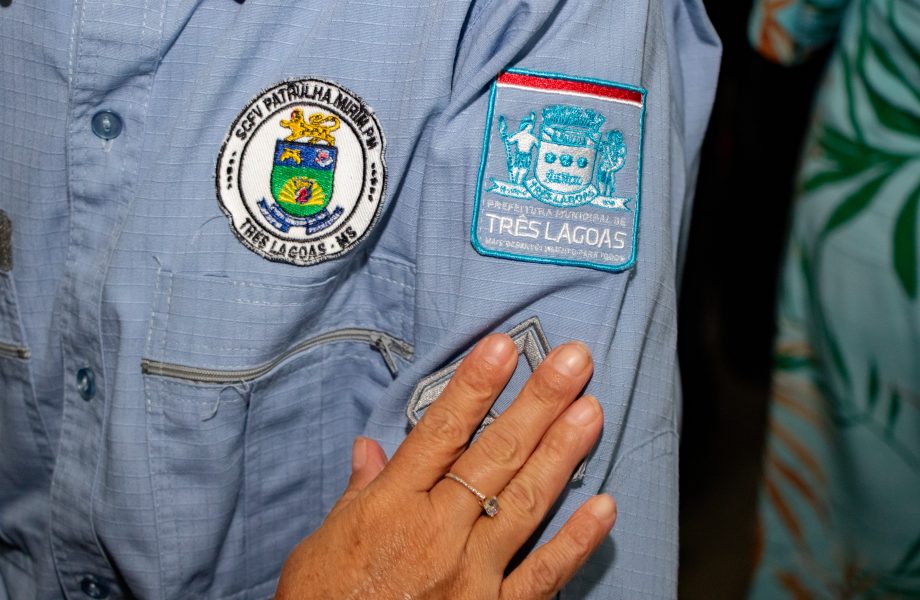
(527, 498)
(504, 446)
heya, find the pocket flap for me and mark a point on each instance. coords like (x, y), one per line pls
(210, 321)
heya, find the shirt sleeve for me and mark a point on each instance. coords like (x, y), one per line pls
(788, 31)
(627, 315)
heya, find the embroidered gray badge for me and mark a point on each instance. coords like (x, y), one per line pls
(531, 343)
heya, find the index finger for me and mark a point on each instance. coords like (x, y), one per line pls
(445, 429)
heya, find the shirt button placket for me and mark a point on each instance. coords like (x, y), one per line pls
(102, 169)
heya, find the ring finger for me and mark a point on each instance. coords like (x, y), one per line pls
(530, 494)
(503, 448)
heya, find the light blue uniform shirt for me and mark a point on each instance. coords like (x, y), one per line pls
(116, 482)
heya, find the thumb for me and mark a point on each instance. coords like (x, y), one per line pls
(367, 461)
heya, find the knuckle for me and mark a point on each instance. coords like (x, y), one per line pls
(477, 378)
(521, 497)
(470, 393)
(545, 574)
(442, 422)
(558, 447)
(502, 447)
(580, 538)
(548, 387)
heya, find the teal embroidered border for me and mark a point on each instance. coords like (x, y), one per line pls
(485, 156)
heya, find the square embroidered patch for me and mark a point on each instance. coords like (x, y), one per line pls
(560, 173)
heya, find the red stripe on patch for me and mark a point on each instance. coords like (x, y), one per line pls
(552, 84)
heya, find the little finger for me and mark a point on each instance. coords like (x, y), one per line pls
(549, 567)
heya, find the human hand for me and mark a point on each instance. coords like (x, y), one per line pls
(402, 530)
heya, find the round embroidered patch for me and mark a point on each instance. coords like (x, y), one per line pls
(301, 173)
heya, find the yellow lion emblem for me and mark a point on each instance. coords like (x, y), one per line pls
(318, 127)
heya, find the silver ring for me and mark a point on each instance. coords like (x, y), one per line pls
(489, 504)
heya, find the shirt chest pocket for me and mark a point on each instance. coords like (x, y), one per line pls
(25, 453)
(254, 393)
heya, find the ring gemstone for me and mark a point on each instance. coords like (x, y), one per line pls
(490, 506)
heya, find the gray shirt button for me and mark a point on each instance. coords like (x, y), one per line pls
(86, 383)
(107, 124)
(94, 587)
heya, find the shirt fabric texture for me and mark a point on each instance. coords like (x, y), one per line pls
(158, 487)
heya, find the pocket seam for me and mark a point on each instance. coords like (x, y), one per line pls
(253, 284)
(197, 346)
(387, 279)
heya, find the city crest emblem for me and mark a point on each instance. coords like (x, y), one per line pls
(566, 159)
(301, 174)
(563, 188)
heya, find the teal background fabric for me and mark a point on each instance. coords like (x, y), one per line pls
(842, 469)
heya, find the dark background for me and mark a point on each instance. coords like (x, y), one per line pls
(727, 302)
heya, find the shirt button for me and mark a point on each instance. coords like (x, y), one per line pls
(106, 124)
(86, 383)
(94, 587)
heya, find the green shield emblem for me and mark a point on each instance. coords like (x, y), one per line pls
(302, 177)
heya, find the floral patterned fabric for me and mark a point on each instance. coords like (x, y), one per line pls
(840, 498)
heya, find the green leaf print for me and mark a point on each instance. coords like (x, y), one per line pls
(890, 115)
(836, 355)
(851, 99)
(883, 56)
(853, 206)
(912, 52)
(819, 180)
(873, 386)
(830, 342)
(845, 212)
(788, 362)
(847, 153)
(850, 159)
(894, 409)
(909, 558)
(905, 245)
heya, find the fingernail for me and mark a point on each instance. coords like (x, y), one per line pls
(497, 349)
(571, 358)
(603, 507)
(582, 412)
(358, 454)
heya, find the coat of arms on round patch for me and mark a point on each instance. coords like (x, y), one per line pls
(301, 173)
